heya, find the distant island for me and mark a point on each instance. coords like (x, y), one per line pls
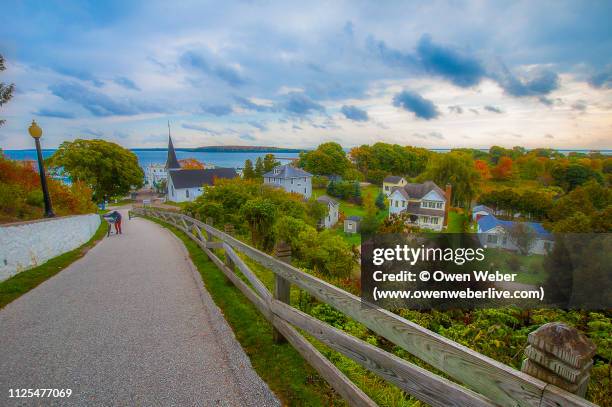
(231, 149)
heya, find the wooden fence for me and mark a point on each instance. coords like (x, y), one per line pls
(484, 381)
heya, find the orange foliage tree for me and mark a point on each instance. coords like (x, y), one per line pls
(21, 196)
(504, 169)
(191, 164)
(483, 169)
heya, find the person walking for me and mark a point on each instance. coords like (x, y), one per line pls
(116, 220)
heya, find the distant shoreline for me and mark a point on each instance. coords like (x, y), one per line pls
(230, 149)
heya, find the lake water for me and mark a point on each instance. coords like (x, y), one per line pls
(219, 159)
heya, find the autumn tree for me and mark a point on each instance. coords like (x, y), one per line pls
(483, 169)
(107, 168)
(6, 91)
(503, 170)
(191, 164)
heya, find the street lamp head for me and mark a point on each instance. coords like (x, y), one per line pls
(35, 131)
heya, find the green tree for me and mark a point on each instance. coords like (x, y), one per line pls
(574, 175)
(327, 159)
(248, 172)
(107, 168)
(380, 201)
(369, 223)
(6, 91)
(259, 168)
(269, 162)
(260, 214)
(457, 169)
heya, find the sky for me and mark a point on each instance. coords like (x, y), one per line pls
(435, 74)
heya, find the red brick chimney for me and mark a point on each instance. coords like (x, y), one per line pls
(448, 193)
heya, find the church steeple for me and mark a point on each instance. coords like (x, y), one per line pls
(171, 162)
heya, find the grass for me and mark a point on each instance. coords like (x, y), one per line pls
(352, 209)
(25, 281)
(289, 376)
(529, 269)
(455, 222)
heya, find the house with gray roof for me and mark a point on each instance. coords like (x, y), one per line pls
(184, 185)
(333, 209)
(187, 185)
(291, 179)
(425, 204)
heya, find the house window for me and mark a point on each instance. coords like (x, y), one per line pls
(291, 181)
(425, 219)
(492, 239)
(403, 204)
(187, 193)
(397, 204)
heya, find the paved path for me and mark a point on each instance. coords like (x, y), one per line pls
(126, 325)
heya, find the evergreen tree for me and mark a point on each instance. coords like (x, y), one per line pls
(357, 193)
(380, 201)
(259, 168)
(248, 172)
(269, 162)
(331, 189)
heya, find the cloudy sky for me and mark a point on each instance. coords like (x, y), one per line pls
(294, 74)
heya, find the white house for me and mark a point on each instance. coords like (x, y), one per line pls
(186, 185)
(494, 232)
(291, 179)
(154, 174)
(393, 181)
(333, 207)
(426, 204)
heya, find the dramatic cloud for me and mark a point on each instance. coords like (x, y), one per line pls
(460, 68)
(54, 113)
(354, 113)
(493, 109)
(602, 79)
(218, 110)
(538, 82)
(417, 104)
(259, 68)
(198, 62)
(126, 83)
(100, 104)
(300, 104)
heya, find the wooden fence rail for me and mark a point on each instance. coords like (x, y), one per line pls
(487, 382)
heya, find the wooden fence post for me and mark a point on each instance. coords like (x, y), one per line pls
(282, 287)
(560, 355)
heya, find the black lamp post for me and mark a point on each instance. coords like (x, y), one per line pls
(36, 133)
